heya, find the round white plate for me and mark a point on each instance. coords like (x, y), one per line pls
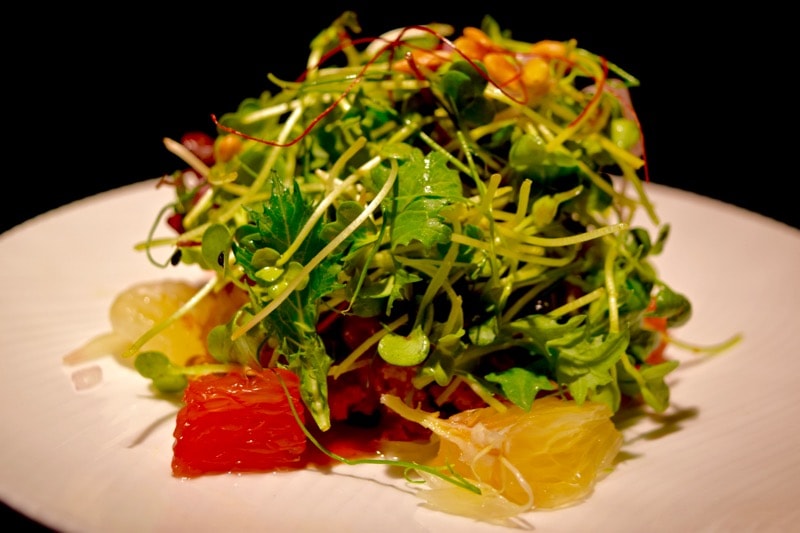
(723, 458)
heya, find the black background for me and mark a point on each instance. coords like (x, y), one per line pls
(95, 106)
(87, 112)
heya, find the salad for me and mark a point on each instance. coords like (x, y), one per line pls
(420, 253)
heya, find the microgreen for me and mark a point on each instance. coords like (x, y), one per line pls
(477, 220)
(169, 378)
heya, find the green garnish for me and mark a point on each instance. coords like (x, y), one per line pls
(475, 217)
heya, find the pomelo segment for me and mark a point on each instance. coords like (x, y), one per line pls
(142, 306)
(239, 423)
(549, 457)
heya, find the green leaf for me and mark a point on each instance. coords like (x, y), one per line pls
(401, 280)
(157, 367)
(624, 132)
(530, 157)
(170, 383)
(407, 350)
(462, 82)
(426, 185)
(463, 85)
(423, 226)
(152, 364)
(520, 385)
(427, 176)
(655, 392)
(484, 333)
(675, 307)
(540, 330)
(456, 86)
(215, 246)
(586, 365)
(243, 350)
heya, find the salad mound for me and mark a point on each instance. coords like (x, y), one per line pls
(433, 233)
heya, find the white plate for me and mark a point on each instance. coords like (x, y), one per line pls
(724, 459)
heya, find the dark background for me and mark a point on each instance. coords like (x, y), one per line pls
(95, 106)
(87, 113)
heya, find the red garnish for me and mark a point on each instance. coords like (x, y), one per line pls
(201, 145)
(658, 324)
(239, 422)
(175, 221)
